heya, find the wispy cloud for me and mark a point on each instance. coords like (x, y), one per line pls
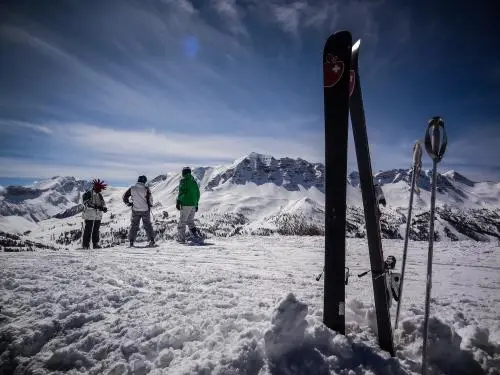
(229, 11)
(113, 152)
(20, 168)
(11, 125)
(180, 146)
(322, 15)
(165, 91)
(290, 16)
(182, 81)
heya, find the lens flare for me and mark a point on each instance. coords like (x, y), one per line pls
(191, 46)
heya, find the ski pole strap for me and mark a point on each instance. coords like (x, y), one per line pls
(364, 273)
(434, 145)
(375, 274)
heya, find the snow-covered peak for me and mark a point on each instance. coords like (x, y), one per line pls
(454, 175)
(292, 174)
(60, 183)
(42, 199)
(255, 158)
(353, 179)
(255, 184)
(392, 176)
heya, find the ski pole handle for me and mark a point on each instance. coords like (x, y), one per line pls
(434, 145)
(417, 154)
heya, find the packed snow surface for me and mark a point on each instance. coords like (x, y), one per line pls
(241, 305)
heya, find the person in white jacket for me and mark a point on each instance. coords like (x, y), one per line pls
(141, 204)
(94, 206)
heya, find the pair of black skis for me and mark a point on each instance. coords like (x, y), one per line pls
(342, 94)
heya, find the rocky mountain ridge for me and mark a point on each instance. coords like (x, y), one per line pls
(259, 194)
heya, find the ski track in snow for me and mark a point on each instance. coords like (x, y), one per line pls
(244, 305)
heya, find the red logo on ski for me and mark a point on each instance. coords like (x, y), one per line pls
(333, 69)
(352, 81)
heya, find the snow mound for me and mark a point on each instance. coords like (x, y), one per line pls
(296, 345)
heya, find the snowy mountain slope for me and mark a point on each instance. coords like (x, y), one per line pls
(245, 305)
(258, 194)
(43, 199)
(16, 224)
(452, 189)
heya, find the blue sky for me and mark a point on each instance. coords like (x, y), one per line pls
(114, 89)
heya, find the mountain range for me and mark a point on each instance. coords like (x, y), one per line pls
(260, 194)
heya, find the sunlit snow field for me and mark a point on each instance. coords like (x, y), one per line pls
(242, 305)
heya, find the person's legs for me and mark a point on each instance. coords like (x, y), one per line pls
(190, 221)
(146, 221)
(95, 233)
(87, 232)
(134, 226)
(181, 225)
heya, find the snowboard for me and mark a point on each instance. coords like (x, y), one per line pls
(146, 246)
(336, 79)
(358, 122)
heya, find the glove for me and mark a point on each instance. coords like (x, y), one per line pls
(104, 209)
(130, 204)
(178, 205)
(196, 209)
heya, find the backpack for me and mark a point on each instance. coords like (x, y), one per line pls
(87, 196)
(148, 195)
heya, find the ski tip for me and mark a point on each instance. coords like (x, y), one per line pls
(340, 35)
(356, 45)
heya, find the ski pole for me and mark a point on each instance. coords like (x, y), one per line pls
(321, 274)
(417, 164)
(435, 147)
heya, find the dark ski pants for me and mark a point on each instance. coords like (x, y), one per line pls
(146, 222)
(91, 229)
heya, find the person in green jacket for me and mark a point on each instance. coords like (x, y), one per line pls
(187, 204)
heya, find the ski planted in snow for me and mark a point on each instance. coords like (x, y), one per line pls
(336, 68)
(371, 209)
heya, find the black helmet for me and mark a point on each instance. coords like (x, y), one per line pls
(142, 179)
(390, 262)
(186, 170)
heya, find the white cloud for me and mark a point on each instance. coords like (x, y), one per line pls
(184, 146)
(163, 90)
(12, 125)
(325, 15)
(290, 16)
(123, 154)
(22, 168)
(228, 10)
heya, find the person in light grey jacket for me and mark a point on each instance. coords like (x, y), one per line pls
(141, 204)
(93, 207)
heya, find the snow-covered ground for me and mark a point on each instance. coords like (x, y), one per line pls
(242, 305)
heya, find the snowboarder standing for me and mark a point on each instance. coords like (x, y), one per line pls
(187, 204)
(94, 206)
(141, 204)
